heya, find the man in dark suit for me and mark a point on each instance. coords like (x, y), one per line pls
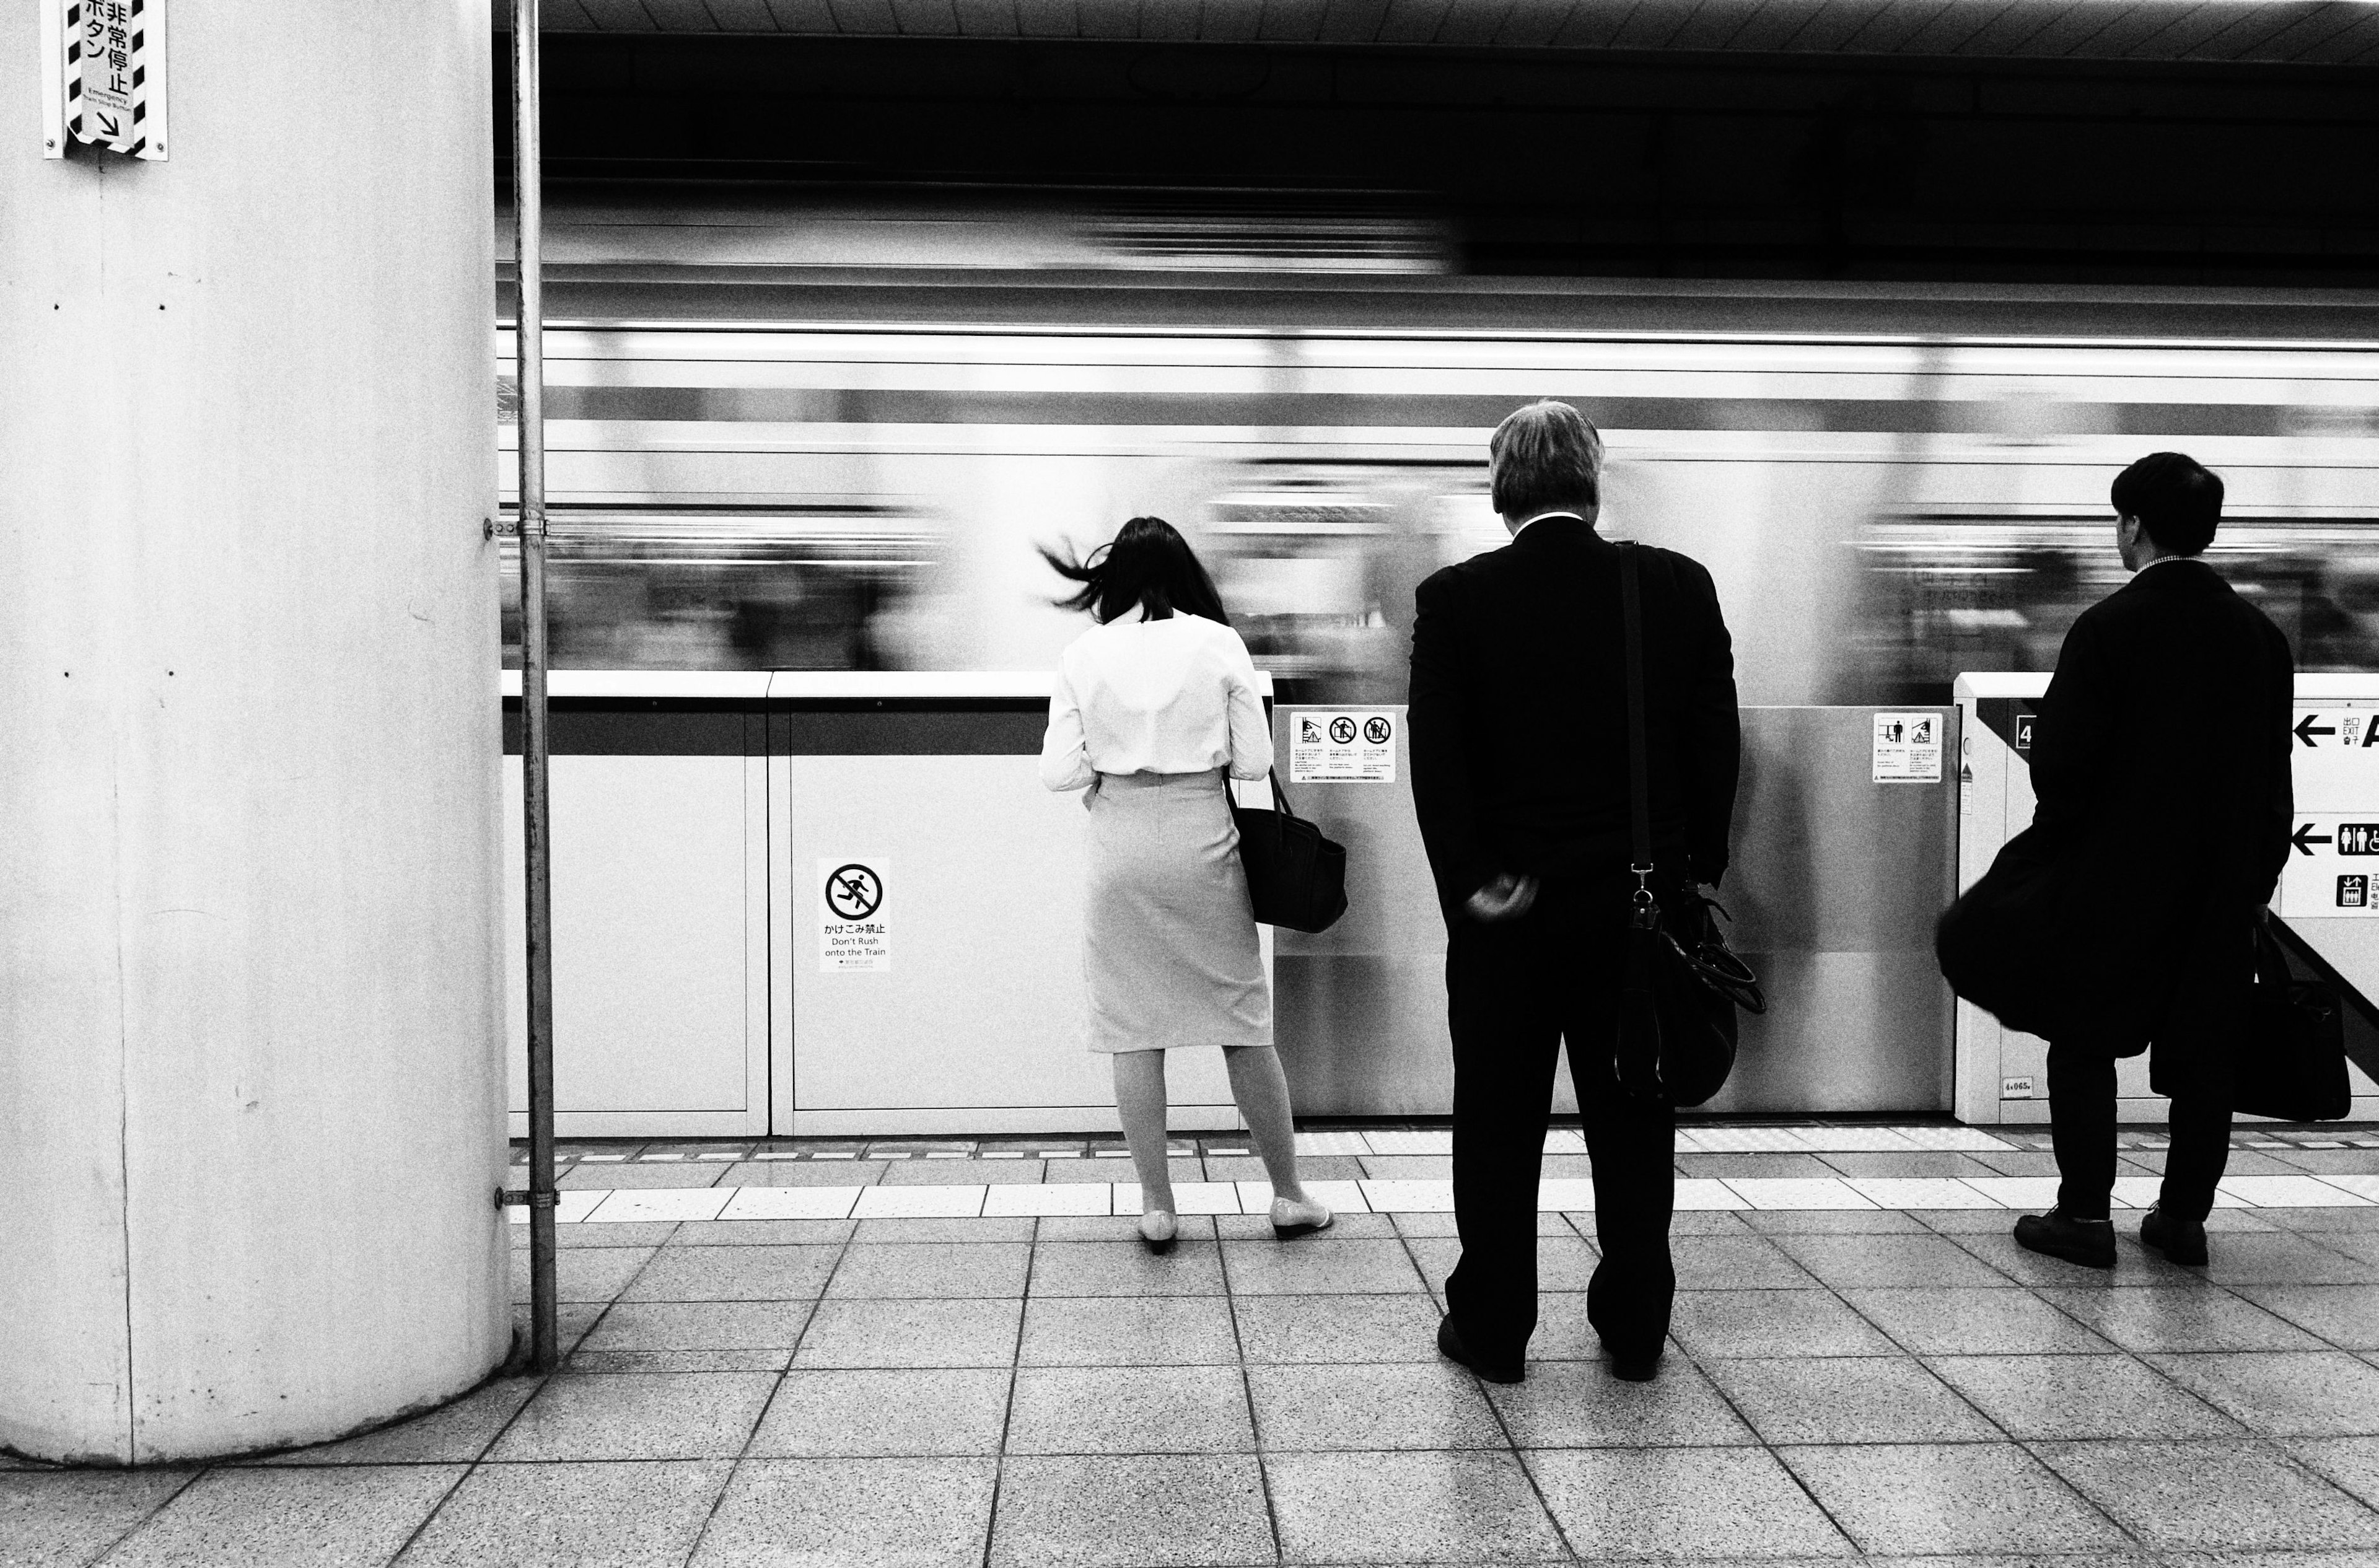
(1519, 762)
(2161, 760)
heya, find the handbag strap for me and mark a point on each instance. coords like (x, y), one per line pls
(1639, 805)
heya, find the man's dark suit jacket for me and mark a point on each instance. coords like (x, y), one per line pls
(1519, 721)
(2161, 760)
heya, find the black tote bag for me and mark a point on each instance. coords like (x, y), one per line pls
(1682, 985)
(2294, 1066)
(1295, 877)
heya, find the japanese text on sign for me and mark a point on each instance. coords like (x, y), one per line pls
(854, 934)
(1327, 747)
(1908, 748)
(110, 88)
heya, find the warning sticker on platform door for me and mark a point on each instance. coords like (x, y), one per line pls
(1908, 748)
(1327, 747)
(854, 933)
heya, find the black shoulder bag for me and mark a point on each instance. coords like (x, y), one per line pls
(1295, 877)
(1682, 984)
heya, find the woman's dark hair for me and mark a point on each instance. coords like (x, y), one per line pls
(1150, 565)
(2177, 500)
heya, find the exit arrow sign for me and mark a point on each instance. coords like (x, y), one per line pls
(2306, 730)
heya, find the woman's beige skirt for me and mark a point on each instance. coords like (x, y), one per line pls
(1169, 941)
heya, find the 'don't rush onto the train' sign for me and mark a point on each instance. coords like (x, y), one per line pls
(854, 933)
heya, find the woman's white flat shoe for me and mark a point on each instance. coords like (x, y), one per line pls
(1299, 1219)
(1158, 1231)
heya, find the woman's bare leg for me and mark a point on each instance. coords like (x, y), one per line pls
(1140, 1099)
(1261, 1090)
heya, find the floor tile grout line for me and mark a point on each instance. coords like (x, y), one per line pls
(1768, 1448)
(1248, 1391)
(2034, 1293)
(1954, 1393)
(150, 1518)
(2249, 1438)
(544, 1380)
(480, 1459)
(2088, 1501)
(1007, 1411)
(760, 1419)
(1511, 1443)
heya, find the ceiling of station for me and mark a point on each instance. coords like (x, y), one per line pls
(2329, 33)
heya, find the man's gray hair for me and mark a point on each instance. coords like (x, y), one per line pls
(1544, 457)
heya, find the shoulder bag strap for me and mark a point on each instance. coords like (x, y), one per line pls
(1639, 805)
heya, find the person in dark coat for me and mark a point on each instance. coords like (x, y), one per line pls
(1518, 727)
(2161, 761)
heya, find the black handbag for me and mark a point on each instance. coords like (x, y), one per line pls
(2294, 1066)
(1295, 877)
(1682, 984)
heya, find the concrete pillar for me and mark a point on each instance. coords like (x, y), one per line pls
(250, 1098)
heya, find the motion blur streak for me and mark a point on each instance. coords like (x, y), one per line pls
(737, 487)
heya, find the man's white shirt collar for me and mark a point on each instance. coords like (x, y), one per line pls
(1540, 517)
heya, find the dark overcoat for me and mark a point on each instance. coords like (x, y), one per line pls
(2161, 761)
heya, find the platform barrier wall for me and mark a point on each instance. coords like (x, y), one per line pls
(2001, 1073)
(697, 817)
(1835, 880)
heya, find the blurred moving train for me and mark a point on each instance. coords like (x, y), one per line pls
(774, 449)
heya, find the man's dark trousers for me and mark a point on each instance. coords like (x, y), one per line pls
(2082, 1126)
(1516, 990)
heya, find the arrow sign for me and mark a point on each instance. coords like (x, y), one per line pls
(2304, 838)
(109, 126)
(2306, 730)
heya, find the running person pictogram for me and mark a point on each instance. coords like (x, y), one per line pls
(853, 892)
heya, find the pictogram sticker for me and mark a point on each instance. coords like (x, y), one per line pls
(2328, 870)
(853, 935)
(1331, 747)
(1908, 748)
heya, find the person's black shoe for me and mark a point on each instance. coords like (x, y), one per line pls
(1450, 1346)
(1635, 1368)
(2181, 1242)
(2090, 1243)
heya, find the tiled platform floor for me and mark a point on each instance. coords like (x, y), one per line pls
(1729, 1167)
(1899, 1383)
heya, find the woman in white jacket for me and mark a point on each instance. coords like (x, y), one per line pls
(1152, 707)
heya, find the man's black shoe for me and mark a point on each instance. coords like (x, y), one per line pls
(2090, 1243)
(1450, 1346)
(2181, 1242)
(1635, 1368)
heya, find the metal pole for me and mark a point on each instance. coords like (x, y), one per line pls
(530, 336)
